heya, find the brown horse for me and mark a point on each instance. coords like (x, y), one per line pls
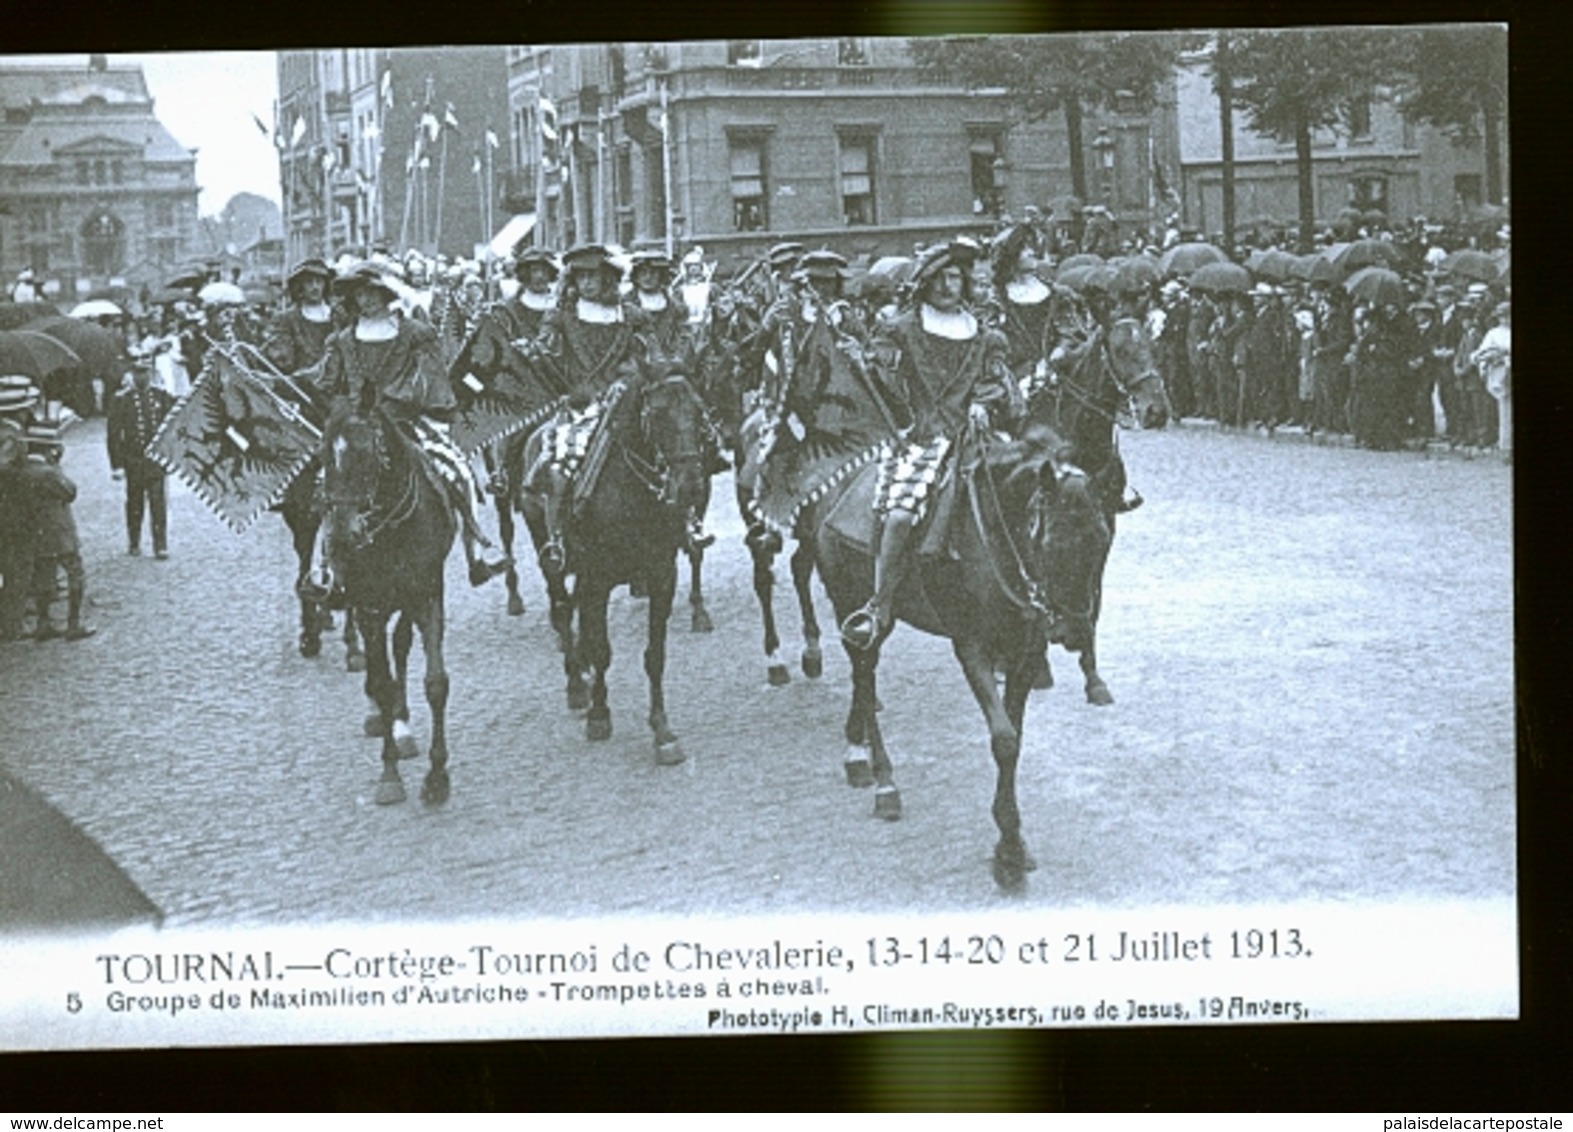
(1017, 571)
(1109, 380)
(388, 531)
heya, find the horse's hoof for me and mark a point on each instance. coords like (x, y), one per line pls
(859, 772)
(372, 726)
(515, 605)
(390, 792)
(355, 662)
(310, 647)
(578, 697)
(435, 789)
(1012, 863)
(598, 728)
(1098, 693)
(701, 622)
(669, 753)
(887, 803)
(778, 676)
(813, 663)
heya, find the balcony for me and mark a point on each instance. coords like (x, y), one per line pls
(336, 102)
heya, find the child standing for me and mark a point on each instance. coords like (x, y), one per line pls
(49, 493)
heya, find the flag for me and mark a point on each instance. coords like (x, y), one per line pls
(449, 118)
(263, 130)
(430, 124)
(476, 168)
(371, 132)
(425, 162)
(660, 122)
(491, 139)
(548, 118)
(387, 89)
(328, 161)
(297, 131)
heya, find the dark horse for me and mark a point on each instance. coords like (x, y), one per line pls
(303, 516)
(631, 528)
(389, 529)
(1017, 572)
(1110, 379)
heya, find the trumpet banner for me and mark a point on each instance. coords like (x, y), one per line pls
(501, 398)
(235, 441)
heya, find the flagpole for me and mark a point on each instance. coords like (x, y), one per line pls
(442, 187)
(600, 176)
(540, 175)
(666, 165)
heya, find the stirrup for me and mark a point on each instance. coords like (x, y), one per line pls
(861, 628)
(553, 558)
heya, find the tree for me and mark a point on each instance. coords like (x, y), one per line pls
(1290, 82)
(1044, 74)
(1455, 78)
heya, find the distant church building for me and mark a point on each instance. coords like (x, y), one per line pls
(94, 191)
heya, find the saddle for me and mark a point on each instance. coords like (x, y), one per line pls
(853, 520)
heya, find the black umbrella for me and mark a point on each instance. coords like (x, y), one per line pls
(1377, 285)
(1369, 253)
(14, 315)
(102, 352)
(31, 354)
(1182, 259)
(1468, 263)
(1221, 277)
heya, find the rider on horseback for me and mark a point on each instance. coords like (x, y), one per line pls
(591, 342)
(948, 375)
(396, 363)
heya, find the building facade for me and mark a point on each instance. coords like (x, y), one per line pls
(94, 191)
(381, 146)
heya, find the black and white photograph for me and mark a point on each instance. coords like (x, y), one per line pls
(757, 536)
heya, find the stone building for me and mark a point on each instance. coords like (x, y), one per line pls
(94, 191)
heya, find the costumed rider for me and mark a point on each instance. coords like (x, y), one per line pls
(590, 340)
(668, 331)
(395, 362)
(1025, 302)
(949, 377)
(299, 337)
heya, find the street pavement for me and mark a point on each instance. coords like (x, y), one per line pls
(1310, 647)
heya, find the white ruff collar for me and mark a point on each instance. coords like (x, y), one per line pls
(1026, 291)
(599, 313)
(537, 300)
(652, 302)
(381, 329)
(317, 312)
(958, 325)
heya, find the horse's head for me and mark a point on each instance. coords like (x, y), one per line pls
(1067, 537)
(354, 458)
(674, 437)
(1135, 370)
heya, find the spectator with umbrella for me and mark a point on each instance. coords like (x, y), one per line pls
(1384, 346)
(1480, 423)
(1425, 369)
(1332, 336)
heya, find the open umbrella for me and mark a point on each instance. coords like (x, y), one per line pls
(1182, 259)
(102, 352)
(892, 268)
(188, 278)
(1377, 285)
(1314, 268)
(1271, 263)
(222, 294)
(1064, 207)
(96, 308)
(1221, 277)
(32, 354)
(166, 295)
(1368, 253)
(1137, 272)
(1478, 266)
(14, 315)
(1076, 277)
(1084, 259)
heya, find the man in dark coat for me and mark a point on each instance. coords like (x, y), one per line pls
(55, 546)
(135, 413)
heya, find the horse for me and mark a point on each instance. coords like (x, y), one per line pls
(1016, 571)
(1110, 378)
(631, 527)
(301, 513)
(389, 530)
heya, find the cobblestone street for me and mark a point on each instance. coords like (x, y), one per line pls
(1310, 647)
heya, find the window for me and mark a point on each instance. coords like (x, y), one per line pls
(117, 171)
(1368, 193)
(851, 53)
(1466, 190)
(103, 244)
(743, 53)
(1357, 116)
(857, 180)
(99, 175)
(987, 165)
(83, 173)
(748, 185)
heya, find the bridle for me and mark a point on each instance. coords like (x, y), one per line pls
(368, 520)
(656, 472)
(1091, 401)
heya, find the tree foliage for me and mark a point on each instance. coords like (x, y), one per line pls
(1454, 78)
(1287, 80)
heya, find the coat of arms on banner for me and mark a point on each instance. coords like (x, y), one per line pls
(235, 441)
(498, 400)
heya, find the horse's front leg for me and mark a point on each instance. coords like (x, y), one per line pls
(857, 763)
(1011, 860)
(802, 576)
(380, 688)
(505, 531)
(303, 533)
(887, 799)
(403, 640)
(698, 616)
(663, 591)
(1097, 691)
(354, 656)
(762, 548)
(434, 791)
(590, 598)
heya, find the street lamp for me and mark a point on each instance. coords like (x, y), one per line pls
(1104, 144)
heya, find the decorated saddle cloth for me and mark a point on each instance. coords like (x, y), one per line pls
(855, 516)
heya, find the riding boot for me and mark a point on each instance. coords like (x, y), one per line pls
(870, 624)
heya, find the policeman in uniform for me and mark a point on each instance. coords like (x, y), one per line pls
(135, 412)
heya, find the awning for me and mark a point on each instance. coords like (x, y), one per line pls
(512, 232)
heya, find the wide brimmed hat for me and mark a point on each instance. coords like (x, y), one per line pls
(646, 258)
(312, 268)
(364, 275)
(17, 393)
(695, 254)
(535, 257)
(784, 256)
(591, 257)
(823, 264)
(961, 252)
(1006, 248)
(44, 435)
